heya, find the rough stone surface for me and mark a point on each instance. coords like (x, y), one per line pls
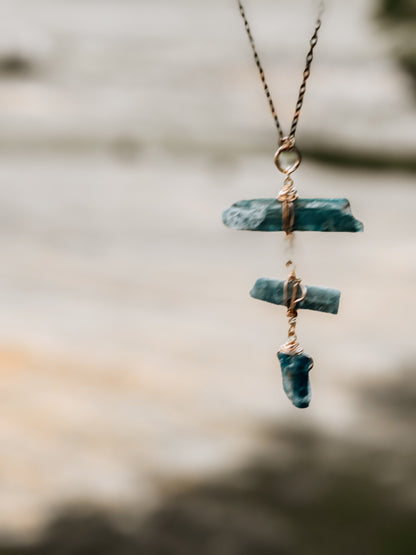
(295, 374)
(265, 214)
(321, 299)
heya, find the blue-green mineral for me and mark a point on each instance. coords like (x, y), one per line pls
(295, 374)
(314, 214)
(321, 299)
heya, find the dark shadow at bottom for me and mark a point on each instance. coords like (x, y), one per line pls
(322, 497)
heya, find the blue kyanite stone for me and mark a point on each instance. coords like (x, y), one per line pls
(313, 214)
(295, 370)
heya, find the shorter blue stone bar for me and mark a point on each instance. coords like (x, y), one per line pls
(320, 299)
(295, 374)
(315, 214)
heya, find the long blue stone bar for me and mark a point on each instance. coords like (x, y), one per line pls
(265, 214)
(321, 299)
(295, 374)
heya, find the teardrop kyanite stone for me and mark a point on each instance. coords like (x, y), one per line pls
(295, 373)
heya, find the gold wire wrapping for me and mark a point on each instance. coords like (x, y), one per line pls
(287, 196)
(292, 347)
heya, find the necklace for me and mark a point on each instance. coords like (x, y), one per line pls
(290, 213)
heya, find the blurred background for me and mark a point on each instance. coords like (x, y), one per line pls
(141, 402)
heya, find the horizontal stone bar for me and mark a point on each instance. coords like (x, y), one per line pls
(265, 214)
(321, 299)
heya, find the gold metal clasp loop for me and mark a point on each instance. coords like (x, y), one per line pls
(287, 157)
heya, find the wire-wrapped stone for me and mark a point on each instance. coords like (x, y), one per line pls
(321, 299)
(266, 214)
(295, 373)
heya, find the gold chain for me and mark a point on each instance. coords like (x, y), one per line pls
(306, 72)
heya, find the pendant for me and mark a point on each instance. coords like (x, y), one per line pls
(266, 214)
(289, 213)
(294, 363)
(320, 299)
(295, 374)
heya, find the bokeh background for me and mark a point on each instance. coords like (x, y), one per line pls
(141, 404)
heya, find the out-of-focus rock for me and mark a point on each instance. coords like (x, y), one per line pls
(23, 50)
(400, 17)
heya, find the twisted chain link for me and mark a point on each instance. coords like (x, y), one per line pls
(260, 68)
(306, 73)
